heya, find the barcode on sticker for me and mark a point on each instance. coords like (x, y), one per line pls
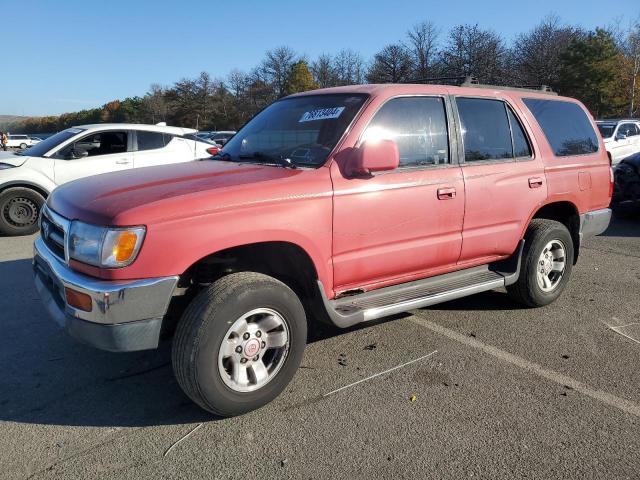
(321, 114)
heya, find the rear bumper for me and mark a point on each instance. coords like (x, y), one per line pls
(594, 223)
(125, 315)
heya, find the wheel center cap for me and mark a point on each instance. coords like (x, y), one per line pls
(252, 347)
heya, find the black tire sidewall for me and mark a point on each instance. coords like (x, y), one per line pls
(7, 228)
(216, 394)
(537, 244)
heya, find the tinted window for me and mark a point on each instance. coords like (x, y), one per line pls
(419, 127)
(521, 146)
(565, 125)
(485, 129)
(103, 143)
(628, 129)
(606, 130)
(152, 140)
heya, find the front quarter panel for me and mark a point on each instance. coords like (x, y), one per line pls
(34, 171)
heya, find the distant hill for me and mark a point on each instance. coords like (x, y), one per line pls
(11, 118)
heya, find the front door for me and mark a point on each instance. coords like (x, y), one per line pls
(405, 224)
(504, 181)
(98, 152)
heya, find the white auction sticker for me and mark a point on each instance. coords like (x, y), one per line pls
(321, 114)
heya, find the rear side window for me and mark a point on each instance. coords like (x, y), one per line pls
(565, 125)
(152, 140)
(486, 134)
(419, 127)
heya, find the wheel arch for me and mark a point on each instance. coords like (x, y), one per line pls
(567, 213)
(25, 184)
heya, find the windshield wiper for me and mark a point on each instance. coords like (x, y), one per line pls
(269, 159)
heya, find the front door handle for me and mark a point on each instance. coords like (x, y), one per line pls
(446, 193)
(535, 182)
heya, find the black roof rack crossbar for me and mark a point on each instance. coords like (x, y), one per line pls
(471, 81)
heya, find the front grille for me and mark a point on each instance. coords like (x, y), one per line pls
(52, 235)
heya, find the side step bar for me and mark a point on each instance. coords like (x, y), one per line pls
(350, 310)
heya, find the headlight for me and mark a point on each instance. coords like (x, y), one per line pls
(4, 166)
(104, 247)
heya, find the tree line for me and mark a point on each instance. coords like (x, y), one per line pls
(600, 67)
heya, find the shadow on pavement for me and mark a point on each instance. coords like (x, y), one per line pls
(623, 227)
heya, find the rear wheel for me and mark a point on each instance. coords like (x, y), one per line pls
(19, 211)
(239, 343)
(546, 264)
(23, 146)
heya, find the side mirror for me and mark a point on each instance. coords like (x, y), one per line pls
(373, 157)
(77, 154)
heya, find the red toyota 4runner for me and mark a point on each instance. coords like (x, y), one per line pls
(342, 205)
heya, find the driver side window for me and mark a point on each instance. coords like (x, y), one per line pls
(95, 144)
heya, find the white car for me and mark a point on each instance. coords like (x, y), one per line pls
(621, 138)
(28, 177)
(21, 141)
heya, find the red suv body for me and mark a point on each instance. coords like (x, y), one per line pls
(362, 201)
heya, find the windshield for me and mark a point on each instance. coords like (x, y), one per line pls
(606, 130)
(297, 131)
(40, 148)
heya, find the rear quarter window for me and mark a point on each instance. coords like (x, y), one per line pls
(565, 125)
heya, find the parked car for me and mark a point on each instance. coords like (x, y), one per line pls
(21, 141)
(29, 176)
(626, 192)
(222, 137)
(621, 138)
(341, 205)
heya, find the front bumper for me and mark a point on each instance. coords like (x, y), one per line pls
(126, 315)
(594, 223)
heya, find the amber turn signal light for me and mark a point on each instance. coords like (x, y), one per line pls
(78, 300)
(124, 246)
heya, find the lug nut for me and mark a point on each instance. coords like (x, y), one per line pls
(258, 334)
(243, 360)
(246, 336)
(264, 344)
(256, 358)
(238, 349)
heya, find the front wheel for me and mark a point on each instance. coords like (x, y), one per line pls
(19, 211)
(239, 343)
(23, 146)
(546, 264)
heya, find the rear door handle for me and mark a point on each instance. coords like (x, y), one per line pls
(123, 161)
(535, 182)
(446, 193)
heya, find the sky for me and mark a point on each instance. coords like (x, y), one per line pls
(62, 56)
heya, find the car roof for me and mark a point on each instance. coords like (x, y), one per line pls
(138, 126)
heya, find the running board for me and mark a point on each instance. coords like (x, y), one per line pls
(350, 310)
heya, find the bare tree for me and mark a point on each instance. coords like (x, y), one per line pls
(323, 71)
(631, 51)
(391, 65)
(276, 67)
(348, 67)
(155, 104)
(423, 44)
(474, 51)
(536, 55)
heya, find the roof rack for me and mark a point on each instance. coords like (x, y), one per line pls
(471, 81)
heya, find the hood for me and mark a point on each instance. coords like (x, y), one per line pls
(150, 195)
(12, 159)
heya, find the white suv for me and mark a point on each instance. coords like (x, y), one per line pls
(28, 177)
(621, 138)
(20, 141)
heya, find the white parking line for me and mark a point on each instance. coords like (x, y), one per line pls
(378, 374)
(626, 406)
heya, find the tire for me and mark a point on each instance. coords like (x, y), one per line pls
(19, 211)
(528, 289)
(23, 146)
(197, 352)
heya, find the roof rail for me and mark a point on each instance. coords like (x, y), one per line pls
(471, 81)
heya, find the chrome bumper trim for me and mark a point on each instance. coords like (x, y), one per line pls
(594, 223)
(114, 302)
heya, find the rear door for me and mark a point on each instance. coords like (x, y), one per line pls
(92, 154)
(407, 223)
(504, 179)
(157, 148)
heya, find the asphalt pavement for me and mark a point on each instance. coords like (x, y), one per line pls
(478, 387)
